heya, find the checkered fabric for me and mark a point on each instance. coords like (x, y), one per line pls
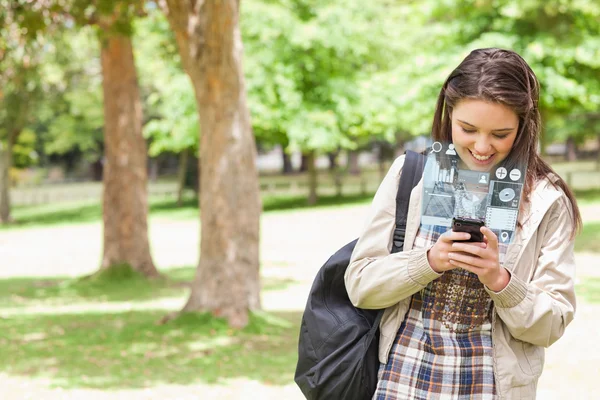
(443, 349)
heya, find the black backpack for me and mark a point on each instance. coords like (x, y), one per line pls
(339, 343)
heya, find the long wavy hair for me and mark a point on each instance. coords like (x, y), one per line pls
(504, 77)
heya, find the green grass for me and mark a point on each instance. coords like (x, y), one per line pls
(588, 196)
(84, 212)
(118, 287)
(119, 347)
(589, 238)
(589, 289)
(129, 350)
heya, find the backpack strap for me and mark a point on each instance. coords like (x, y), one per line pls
(411, 174)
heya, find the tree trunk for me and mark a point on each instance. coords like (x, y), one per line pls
(543, 140)
(332, 157)
(125, 202)
(598, 155)
(571, 150)
(287, 162)
(304, 162)
(227, 282)
(312, 177)
(154, 167)
(181, 173)
(5, 166)
(353, 166)
(381, 162)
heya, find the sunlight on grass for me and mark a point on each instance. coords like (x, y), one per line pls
(589, 289)
(587, 240)
(131, 350)
(91, 211)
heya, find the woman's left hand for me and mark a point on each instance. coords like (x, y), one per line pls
(484, 262)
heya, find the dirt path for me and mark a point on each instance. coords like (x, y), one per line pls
(294, 245)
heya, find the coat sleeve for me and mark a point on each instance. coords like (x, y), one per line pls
(375, 278)
(538, 311)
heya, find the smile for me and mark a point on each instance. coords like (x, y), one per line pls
(480, 157)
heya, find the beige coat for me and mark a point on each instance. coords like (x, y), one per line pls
(530, 314)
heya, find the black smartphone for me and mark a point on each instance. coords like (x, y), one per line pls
(469, 225)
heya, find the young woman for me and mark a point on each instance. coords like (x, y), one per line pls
(458, 323)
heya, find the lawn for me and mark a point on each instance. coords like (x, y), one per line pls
(69, 213)
(106, 343)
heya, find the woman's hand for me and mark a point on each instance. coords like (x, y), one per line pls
(438, 254)
(481, 259)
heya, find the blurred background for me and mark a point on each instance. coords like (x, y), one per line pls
(335, 91)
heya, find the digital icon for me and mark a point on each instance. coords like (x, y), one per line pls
(451, 150)
(515, 174)
(504, 236)
(507, 195)
(436, 147)
(483, 179)
(501, 173)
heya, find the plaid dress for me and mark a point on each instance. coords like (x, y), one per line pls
(443, 349)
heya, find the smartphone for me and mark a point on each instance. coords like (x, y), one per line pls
(469, 225)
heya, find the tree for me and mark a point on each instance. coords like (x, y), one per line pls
(308, 61)
(71, 119)
(125, 195)
(125, 177)
(210, 46)
(20, 89)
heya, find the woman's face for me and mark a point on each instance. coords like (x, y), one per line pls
(483, 133)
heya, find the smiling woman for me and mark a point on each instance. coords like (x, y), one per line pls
(483, 141)
(460, 321)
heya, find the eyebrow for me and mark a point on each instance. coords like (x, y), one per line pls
(493, 130)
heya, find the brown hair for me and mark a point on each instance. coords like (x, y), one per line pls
(502, 76)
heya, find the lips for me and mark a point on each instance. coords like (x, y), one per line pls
(482, 159)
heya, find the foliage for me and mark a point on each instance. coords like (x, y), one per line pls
(169, 100)
(304, 59)
(20, 81)
(559, 39)
(73, 116)
(24, 153)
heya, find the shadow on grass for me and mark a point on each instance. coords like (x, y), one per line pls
(26, 292)
(589, 289)
(589, 195)
(70, 213)
(129, 350)
(587, 240)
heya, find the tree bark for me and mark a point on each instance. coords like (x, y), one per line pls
(181, 173)
(304, 161)
(125, 197)
(332, 157)
(312, 177)
(227, 281)
(5, 166)
(287, 162)
(598, 155)
(154, 167)
(353, 166)
(571, 149)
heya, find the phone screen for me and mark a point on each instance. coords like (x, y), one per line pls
(471, 226)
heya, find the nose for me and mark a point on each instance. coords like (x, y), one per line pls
(482, 144)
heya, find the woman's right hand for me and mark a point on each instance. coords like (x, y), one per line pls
(438, 254)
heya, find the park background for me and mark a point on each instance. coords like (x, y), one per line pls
(127, 127)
